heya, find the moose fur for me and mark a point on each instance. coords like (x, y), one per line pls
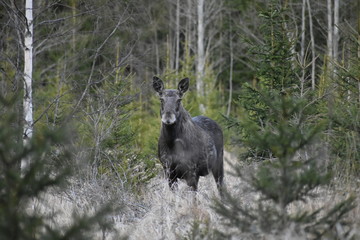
(188, 147)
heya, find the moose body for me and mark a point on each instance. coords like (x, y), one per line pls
(188, 147)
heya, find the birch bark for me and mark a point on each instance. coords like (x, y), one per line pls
(200, 63)
(200, 66)
(28, 68)
(358, 52)
(302, 44)
(313, 54)
(177, 60)
(231, 75)
(336, 30)
(329, 36)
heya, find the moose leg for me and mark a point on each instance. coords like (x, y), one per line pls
(192, 181)
(218, 173)
(172, 179)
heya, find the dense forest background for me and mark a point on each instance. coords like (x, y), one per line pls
(282, 77)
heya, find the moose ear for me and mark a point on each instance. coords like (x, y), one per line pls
(158, 85)
(183, 85)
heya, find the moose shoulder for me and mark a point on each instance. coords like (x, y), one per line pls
(188, 147)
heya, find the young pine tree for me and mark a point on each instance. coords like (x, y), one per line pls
(278, 124)
(19, 190)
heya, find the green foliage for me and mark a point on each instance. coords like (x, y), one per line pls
(344, 116)
(145, 124)
(292, 171)
(107, 129)
(277, 123)
(274, 70)
(290, 175)
(18, 191)
(274, 67)
(53, 101)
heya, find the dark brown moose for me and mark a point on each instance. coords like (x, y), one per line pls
(188, 147)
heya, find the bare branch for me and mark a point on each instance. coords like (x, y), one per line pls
(97, 52)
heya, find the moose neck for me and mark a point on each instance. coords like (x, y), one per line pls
(183, 123)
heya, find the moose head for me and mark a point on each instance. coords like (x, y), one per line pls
(170, 100)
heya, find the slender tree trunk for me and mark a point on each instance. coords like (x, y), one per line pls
(171, 39)
(200, 65)
(302, 45)
(291, 32)
(329, 38)
(358, 50)
(73, 11)
(231, 74)
(189, 44)
(303, 24)
(117, 61)
(336, 30)
(313, 54)
(189, 24)
(157, 55)
(177, 36)
(28, 68)
(61, 69)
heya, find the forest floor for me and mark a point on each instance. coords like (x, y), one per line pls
(159, 213)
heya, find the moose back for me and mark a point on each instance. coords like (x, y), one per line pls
(188, 147)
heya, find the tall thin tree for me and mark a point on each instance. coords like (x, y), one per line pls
(28, 69)
(358, 52)
(177, 60)
(302, 44)
(231, 70)
(329, 37)
(200, 65)
(336, 30)
(313, 54)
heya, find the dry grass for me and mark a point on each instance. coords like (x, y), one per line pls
(162, 214)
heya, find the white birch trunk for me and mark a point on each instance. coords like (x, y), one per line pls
(329, 36)
(231, 75)
(200, 64)
(28, 67)
(177, 36)
(358, 50)
(302, 46)
(188, 45)
(313, 54)
(157, 55)
(171, 40)
(189, 24)
(336, 30)
(303, 24)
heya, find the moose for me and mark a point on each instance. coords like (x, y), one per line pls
(188, 147)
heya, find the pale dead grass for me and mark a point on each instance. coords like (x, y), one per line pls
(172, 213)
(163, 214)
